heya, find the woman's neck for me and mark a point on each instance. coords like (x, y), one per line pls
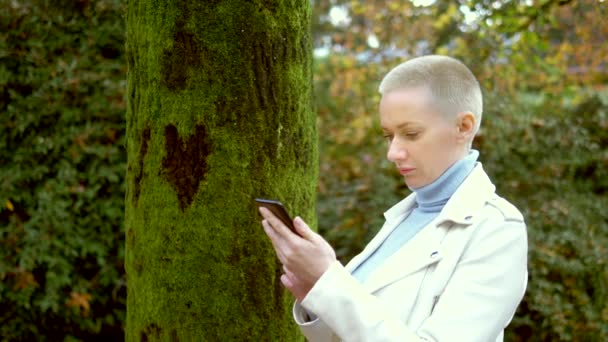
(432, 197)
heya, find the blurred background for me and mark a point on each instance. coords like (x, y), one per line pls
(543, 66)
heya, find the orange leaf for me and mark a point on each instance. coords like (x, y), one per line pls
(80, 300)
(24, 279)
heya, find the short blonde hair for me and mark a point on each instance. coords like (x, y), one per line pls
(453, 86)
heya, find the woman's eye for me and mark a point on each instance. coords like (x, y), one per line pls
(412, 135)
(388, 137)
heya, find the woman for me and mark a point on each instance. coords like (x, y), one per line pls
(449, 264)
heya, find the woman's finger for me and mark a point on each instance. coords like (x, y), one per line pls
(294, 286)
(276, 224)
(286, 281)
(275, 239)
(303, 229)
(290, 274)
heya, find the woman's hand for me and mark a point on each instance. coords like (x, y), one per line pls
(305, 258)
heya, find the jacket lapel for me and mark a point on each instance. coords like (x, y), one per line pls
(421, 251)
(393, 217)
(424, 248)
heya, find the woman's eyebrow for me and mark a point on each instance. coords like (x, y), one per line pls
(400, 126)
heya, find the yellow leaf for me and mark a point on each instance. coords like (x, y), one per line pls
(9, 205)
(80, 300)
(23, 280)
(442, 50)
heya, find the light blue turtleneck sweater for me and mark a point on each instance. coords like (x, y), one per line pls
(430, 200)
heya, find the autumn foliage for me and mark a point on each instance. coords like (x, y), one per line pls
(544, 141)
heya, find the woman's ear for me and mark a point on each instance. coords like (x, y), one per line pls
(466, 125)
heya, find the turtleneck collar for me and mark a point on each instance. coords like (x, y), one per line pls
(432, 197)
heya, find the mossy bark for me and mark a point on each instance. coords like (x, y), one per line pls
(219, 112)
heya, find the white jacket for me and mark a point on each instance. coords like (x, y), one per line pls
(459, 279)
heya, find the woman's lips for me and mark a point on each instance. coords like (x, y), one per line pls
(405, 170)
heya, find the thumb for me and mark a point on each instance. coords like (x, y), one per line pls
(303, 229)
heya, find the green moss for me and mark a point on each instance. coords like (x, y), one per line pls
(214, 82)
(143, 150)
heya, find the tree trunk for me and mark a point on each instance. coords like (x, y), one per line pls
(219, 112)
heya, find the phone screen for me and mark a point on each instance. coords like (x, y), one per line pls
(278, 210)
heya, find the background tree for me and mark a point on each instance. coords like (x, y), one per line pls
(219, 112)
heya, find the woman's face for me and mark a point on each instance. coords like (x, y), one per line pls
(422, 142)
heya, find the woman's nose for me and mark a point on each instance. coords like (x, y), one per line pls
(396, 151)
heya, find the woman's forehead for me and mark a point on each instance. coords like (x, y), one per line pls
(406, 107)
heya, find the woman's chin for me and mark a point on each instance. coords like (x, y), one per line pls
(410, 184)
(413, 183)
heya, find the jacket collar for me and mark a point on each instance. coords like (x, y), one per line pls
(425, 247)
(461, 208)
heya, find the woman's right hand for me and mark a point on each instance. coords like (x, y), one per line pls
(305, 257)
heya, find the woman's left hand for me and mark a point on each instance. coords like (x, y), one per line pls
(305, 257)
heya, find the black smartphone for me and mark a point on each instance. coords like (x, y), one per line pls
(278, 210)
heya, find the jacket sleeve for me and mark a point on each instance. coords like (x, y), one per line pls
(477, 303)
(311, 326)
